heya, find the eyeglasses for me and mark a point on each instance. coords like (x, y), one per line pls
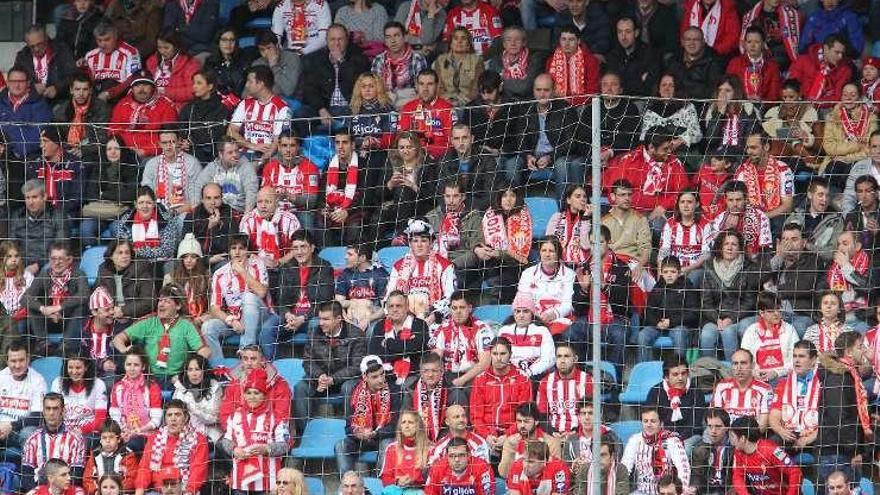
(285, 482)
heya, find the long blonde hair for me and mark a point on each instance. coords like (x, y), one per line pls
(298, 487)
(381, 94)
(394, 155)
(421, 440)
(7, 247)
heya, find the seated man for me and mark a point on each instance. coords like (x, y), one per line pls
(717, 19)
(577, 449)
(459, 229)
(399, 339)
(863, 218)
(399, 65)
(823, 70)
(833, 18)
(850, 274)
(712, 458)
(742, 394)
(24, 112)
(428, 396)
(50, 62)
(757, 458)
(212, 223)
(819, 221)
(62, 173)
(175, 445)
(259, 118)
(36, 226)
(429, 115)
(561, 391)
(781, 24)
(629, 230)
(113, 64)
(173, 174)
(83, 111)
(279, 396)
(637, 63)
(294, 178)
(741, 216)
(52, 441)
(342, 215)
(460, 470)
(794, 414)
(457, 428)
(270, 229)
(139, 116)
(285, 64)
(769, 181)
(360, 287)
(537, 469)
(21, 395)
(681, 407)
(574, 69)
(519, 436)
(662, 447)
(58, 480)
(463, 343)
(867, 166)
(696, 67)
(590, 18)
(480, 18)
(517, 65)
(235, 175)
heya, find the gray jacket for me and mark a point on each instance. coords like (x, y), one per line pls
(193, 167)
(286, 71)
(823, 239)
(859, 168)
(239, 183)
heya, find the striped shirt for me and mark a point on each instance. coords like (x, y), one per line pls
(246, 429)
(271, 238)
(558, 398)
(118, 65)
(683, 242)
(67, 445)
(260, 122)
(753, 401)
(228, 287)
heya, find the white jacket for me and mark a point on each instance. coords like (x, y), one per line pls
(549, 291)
(638, 459)
(788, 337)
(533, 349)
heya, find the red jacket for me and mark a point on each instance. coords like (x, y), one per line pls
(143, 134)
(556, 473)
(279, 395)
(125, 459)
(806, 68)
(197, 462)
(477, 479)
(556, 66)
(178, 87)
(494, 400)
(769, 84)
(769, 471)
(727, 39)
(433, 121)
(634, 167)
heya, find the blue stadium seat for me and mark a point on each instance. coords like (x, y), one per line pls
(49, 367)
(374, 486)
(805, 459)
(233, 340)
(335, 255)
(247, 41)
(293, 104)
(807, 487)
(490, 313)
(389, 255)
(866, 486)
(663, 342)
(541, 210)
(319, 150)
(291, 369)
(641, 379)
(320, 438)
(315, 485)
(90, 261)
(371, 457)
(226, 7)
(500, 486)
(626, 429)
(259, 23)
(608, 367)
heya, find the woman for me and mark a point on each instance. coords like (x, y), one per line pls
(459, 68)
(410, 183)
(109, 484)
(682, 236)
(832, 322)
(533, 350)
(290, 481)
(550, 283)
(16, 282)
(172, 69)
(127, 280)
(109, 186)
(230, 63)
(202, 394)
(571, 226)
(729, 294)
(191, 273)
(405, 460)
(203, 116)
(847, 131)
(85, 397)
(424, 21)
(373, 121)
(152, 229)
(669, 109)
(729, 119)
(790, 126)
(365, 21)
(136, 401)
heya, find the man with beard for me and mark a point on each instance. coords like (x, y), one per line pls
(561, 391)
(212, 223)
(82, 111)
(769, 181)
(457, 428)
(459, 231)
(520, 435)
(460, 472)
(740, 216)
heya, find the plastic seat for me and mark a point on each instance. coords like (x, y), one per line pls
(319, 150)
(388, 256)
(335, 255)
(371, 457)
(866, 486)
(48, 367)
(807, 487)
(375, 486)
(500, 486)
(493, 313)
(247, 41)
(315, 485)
(541, 210)
(626, 429)
(320, 438)
(805, 459)
(291, 369)
(90, 261)
(226, 7)
(663, 342)
(642, 378)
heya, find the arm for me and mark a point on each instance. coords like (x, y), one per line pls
(548, 355)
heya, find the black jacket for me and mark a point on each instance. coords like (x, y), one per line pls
(737, 301)
(319, 286)
(94, 136)
(396, 348)
(797, 283)
(499, 132)
(40, 294)
(639, 69)
(36, 232)
(518, 89)
(202, 120)
(699, 78)
(61, 66)
(319, 78)
(339, 358)
(138, 286)
(597, 31)
(113, 181)
(693, 407)
(478, 181)
(75, 30)
(676, 302)
(620, 125)
(561, 126)
(661, 30)
(198, 34)
(230, 73)
(216, 240)
(840, 431)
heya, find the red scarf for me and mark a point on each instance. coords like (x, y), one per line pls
(660, 460)
(769, 355)
(134, 403)
(607, 316)
(370, 410)
(762, 187)
(164, 344)
(100, 338)
(817, 88)
(569, 73)
(568, 231)
(171, 191)
(655, 182)
(16, 102)
(58, 291)
(145, 231)
(868, 89)
(514, 235)
(196, 304)
(187, 442)
(861, 395)
(189, 9)
(515, 66)
(753, 77)
(414, 19)
(252, 467)
(450, 231)
(164, 68)
(52, 174)
(730, 133)
(854, 131)
(428, 271)
(402, 365)
(341, 193)
(41, 66)
(837, 282)
(297, 25)
(77, 129)
(788, 26)
(395, 71)
(708, 21)
(800, 409)
(675, 395)
(431, 405)
(827, 334)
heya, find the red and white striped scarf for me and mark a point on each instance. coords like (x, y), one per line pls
(789, 26)
(189, 9)
(568, 231)
(827, 334)
(449, 237)
(267, 235)
(837, 282)
(861, 395)
(730, 134)
(610, 478)
(338, 194)
(41, 66)
(854, 131)
(817, 88)
(569, 73)
(514, 235)
(654, 180)
(430, 269)
(186, 445)
(413, 21)
(708, 22)
(515, 66)
(370, 410)
(431, 405)
(99, 338)
(171, 187)
(145, 231)
(801, 411)
(395, 71)
(674, 395)
(164, 68)
(59, 291)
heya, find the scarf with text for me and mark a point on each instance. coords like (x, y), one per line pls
(431, 405)
(413, 21)
(838, 282)
(861, 394)
(800, 411)
(514, 235)
(449, 237)
(135, 402)
(708, 22)
(77, 131)
(762, 187)
(661, 462)
(789, 26)
(568, 231)
(370, 410)
(817, 88)
(145, 230)
(189, 8)
(769, 355)
(429, 269)
(515, 66)
(730, 133)
(297, 25)
(855, 130)
(267, 235)
(59, 291)
(402, 365)
(183, 451)
(753, 77)
(655, 183)
(569, 73)
(164, 68)
(827, 334)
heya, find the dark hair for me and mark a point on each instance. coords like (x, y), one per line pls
(862, 179)
(19, 68)
(753, 29)
(18, 345)
(822, 181)
(115, 244)
(621, 184)
(671, 479)
(671, 362)
(88, 376)
(145, 191)
(53, 396)
(178, 404)
(112, 477)
(456, 183)
(719, 241)
(517, 206)
(605, 232)
(303, 235)
(845, 341)
(202, 391)
(736, 186)
(717, 412)
(650, 409)
(792, 226)
(429, 72)
(431, 358)
(138, 352)
(81, 77)
(364, 249)
(460, 295)
(263, 74)
(267, 37)
(627, 17)
(767, 301)
(746, 426)
(538, 450)
(671, 261)
(501, 341)
(792, 84)
(60, 246)
(658, 136)
(457, 442)
(172, 36)
(570, 29)
(841, 312)
(209, 75)
(557, 246)
(239, 239)
(489, 80)
(808, 346)
(831, 39)
(111, 426)
(394, 24)
(529, 410)
(333, 306)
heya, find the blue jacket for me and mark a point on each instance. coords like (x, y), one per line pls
(199, 33)
(69, 179)
(24, 139)
(823, 23)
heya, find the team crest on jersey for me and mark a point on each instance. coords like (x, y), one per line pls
(780, 454)
(559, 479)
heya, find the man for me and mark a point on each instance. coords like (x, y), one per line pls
(51, 63)
(352, 484)
(525, 431)
(592, 22)
(537, 469)
(577, 450)
(139, 116)
(759, 465)
(172, 174)
(261, 116)
(399, 339)
(75, 27)
(629, 230)
(429, 115)
(360, 287)
(302, 23)
(621, 119)
(561, 391)
(457, 429)
(740, 216)
(24, 112)
(681, 407)
(175, 445)
(659, 25)
(460, 470)
(171, 479)
(823, 70)
(279, 396)
(21, 395)
(56, 300)
(270, 229)
(52, 441)
(794, 414)
(57, 480)
(781, 24)
(212, 223)
(794, 273)
(864, 219)
(819, 221)
(113, 64)
(285, 64)
(82, 111)
(294, 178)
(98, 330)
(240, 301)
(234, 174)
(574, 69)
(331, 360)
(342, 216)
(399, 65)
(489, 114)
(833, 18)
(654, 453)
(638, 64)
(850, 274)
(717, 19)
(62, 174)
(769, 181)
(868, 166)
(838, 484)
(37, 226)
(480, 18)
(429, 396)
(712, 458)
(458, 228)
(374, 405)
(425, 276)
(696, 66)
(742, 394)
(516, 64)
(472, 169)
(758, 73)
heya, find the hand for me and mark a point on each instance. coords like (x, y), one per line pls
(732, 221)
(872, 224)
(217, 258)
(549, 315)
(270, 262)
(117, 313)
(512, 441)
(663, 324)
(403, 480)
(841, 258)
(543, 162)
(239, 267)
(5, 429)
(272, 57)
(264, 148)
(458, 382)
(34, 268)
(677, 143)
(50, 92)
(531, 162)
(240, 453)
(339, 215)
(430, 319)
(237, 326)
(482, 252)
(326, 117)
(214, 219)
(658, 212)
(723, 323)
(295, 323)
(103, 96)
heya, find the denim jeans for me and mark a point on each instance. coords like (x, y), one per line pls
(305, 405)
(730, 337)
(256, 319)
(613, 339)
(799, 322)
(682, 337)
(566, 171)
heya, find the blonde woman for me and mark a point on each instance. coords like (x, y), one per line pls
(373, 120)
(459, 68)
(290, 481)
(405, 462)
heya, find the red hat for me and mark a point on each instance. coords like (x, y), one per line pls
(169, 474)
(257, 379)
(872, 61)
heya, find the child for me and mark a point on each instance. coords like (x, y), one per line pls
(98, 331)
(361, 286)
(112, 458)
(668, 311)
(871, 80)
(832, 322)
(16, 282)
(710, 178)
(770, 340)
(136, 401)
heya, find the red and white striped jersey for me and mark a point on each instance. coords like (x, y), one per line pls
(461, 345)
(228, 287)
(302, 178)
(753, 401)
(261, 122)
(477, 446)
(81, 407)
(270, 238)
(558, 398)
(245, 429)
(19, 398)
(118, 65)
(67, 445)
(683, 242)
(643, 460)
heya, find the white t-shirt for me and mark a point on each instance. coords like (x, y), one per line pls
(18, 398)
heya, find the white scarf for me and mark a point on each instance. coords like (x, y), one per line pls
(708, 22)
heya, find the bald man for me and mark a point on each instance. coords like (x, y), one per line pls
(270, 229)
(457, 427)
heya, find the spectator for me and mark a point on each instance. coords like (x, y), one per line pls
(303, 24)
(98, 332)
(823, 70)
(290, 482)
(697, 66)
(758, 71)
(241, 17)
(82, 110)
(196, 387)
(332, 360)
(711, 179)
(771, 340)
(781, 24)
(51, 63)
(460, 469)
(571, 226)
(63, 444)
(847, 134)
(729, 119)
(850, 274)
(833, 19)
(205, 107)
(577, 450)
(590, 20)
(294, 178)
(37, 226)
(152, 229)
(560, 392)
(24, 111)
(611, 472)
(459, 69)
(429, 397)
(658, 21)
(790, 125)
(360, 287)
(424, 21)
(545, 290)
(870, 79)
(755, 456)
(197, 22)
(532, 347)
(457, 427)
(405, 460)
(256, 451)
(234, 174)
(681, 407)
(620, 118)
(113, 64)
(794, 414)
(230, 62)
(469, 168)
(750, 221)
(462, 341)
(138, 418)
(240, 301)
(138, 22)
(285, 64)
(16, 281)
(75, 27)
(670, 111)
(540, 465)
(682, 236)
(21, 396)
(343, 214)
(629, 231)
(410, 183)
(820, 222)
(373, 120)
(399, 339)
(480, 18)
(637, 64)
(489, 115)
(270, 229)
(187, 458)
(717, 19)
(112, 453)
(57, 299)
(838, 483)
(429, 115)
(57, 478)
(61, 173)
(867, 166)
(261, 116)
(108, 190)
(743, 395)
(140, 115)
(655, 453)
(769, 181)
(279, 390)
(712, 458)
(832, 322)
(668, 313)
(517, 64)
(128, 280)
(191, 274)
(172, 68)
(574, 69)
(212, 224)
(863, 219)
(366, 21)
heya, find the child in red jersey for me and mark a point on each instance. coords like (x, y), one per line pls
(760, 467)
(709, 180)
